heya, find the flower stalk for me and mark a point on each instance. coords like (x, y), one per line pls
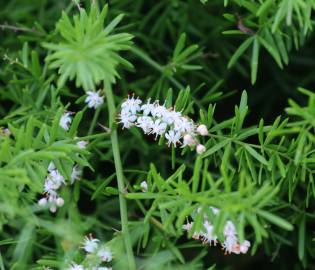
(120, 177)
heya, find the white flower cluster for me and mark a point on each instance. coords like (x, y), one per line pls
(156, 119)
(231, 243)
(55, 180)
(97, 254)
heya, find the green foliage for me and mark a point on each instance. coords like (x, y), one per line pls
(88, 53)
(258, 167)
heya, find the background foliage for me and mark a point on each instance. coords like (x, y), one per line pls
(259, 164)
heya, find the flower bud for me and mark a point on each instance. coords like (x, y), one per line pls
(144, 186)
(200, 149)
(189, 140)
(53, 209)
(202, 130)
(42, 202)
(60, 202)
(244, 247)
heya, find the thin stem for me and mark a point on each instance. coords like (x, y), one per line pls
(94, 120)
(120, 177)
(19, 29)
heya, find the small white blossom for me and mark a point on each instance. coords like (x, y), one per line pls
(231, 245)
(94, 99)
(131, 105)
(202, 130)
(65, 121)
(127, 119)
(75, 174)
(200, 149)
(90, 244)
(147, 108)
(187, 226)
(75, 266)
(55, 179)
(144, 186)
(208, 236)
(105, 254)
(229, 229)
(146, 123)
(215, 210)
(159, 127)
(102, 268)
(172, 137)
(159, 111)
(82, 144)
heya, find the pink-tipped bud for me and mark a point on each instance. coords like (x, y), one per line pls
(189, 140)
(202, 130)
(200, 149)
(244, 247)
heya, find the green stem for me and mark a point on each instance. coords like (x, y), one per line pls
(120, 177)
(94, 120)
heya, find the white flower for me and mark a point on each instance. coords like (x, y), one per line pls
(131, 105)
(215, 210)
(147, 108)
(200, 149)
(187, 226)
(172, 137)
(144, 186)
(75, 266)
(172, 116)
(230, 244)
(188, 140)
(94, 99)
(105, 254)
(90, 244)
(229, 229)
(75, 174)
(145, 123)
(102, 268)
(202, 130)
(82, 144)
(159, 111)
(42, 202)
(65, 121)
(158, 127)
(208, 236)
(56, 179)
(127, 119)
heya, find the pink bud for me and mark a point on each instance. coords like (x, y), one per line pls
(202, 130)
(189, 140)
(200, 149)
